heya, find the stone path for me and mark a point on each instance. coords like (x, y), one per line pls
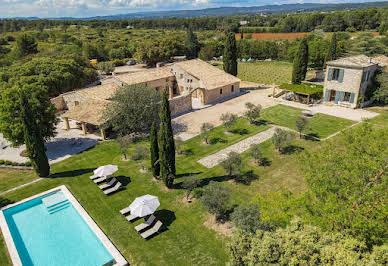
(218, 157)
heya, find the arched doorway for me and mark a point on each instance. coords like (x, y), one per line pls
(197, 98)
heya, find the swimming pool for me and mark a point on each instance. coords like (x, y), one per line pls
(52, 228)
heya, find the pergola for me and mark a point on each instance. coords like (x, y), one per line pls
(87, 112)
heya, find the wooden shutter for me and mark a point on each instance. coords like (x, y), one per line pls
(329, 74)
(326, 95)
(341, 75)
(337, 95)
(352, 98)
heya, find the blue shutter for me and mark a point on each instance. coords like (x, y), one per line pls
(329, 74)
(352, 98)
(326, 95)
(337, 94)
(341, 76)
(341, 96)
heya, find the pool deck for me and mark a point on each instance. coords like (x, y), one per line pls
(118, 258)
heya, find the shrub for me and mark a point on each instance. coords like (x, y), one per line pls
(197, 192)
(248, 219)
(215, 198)
(106, 67)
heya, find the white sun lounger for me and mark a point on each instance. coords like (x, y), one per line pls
(116, 188)
(146, 224)
(152, 231)
(125, 211)
(93, 177)
(131, 217)
(109, 184)
(100, 179)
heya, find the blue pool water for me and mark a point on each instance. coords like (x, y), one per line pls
(50, 231)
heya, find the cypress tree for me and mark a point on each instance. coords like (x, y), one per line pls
(230, 54)
(166, 143)
(192, 45)
(33, 139)
(332, 51)
(154, 150)
(300, 63)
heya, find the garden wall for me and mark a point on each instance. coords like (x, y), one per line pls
(180, 104)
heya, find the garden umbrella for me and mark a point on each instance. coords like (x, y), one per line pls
(105, 170)
(144, 205)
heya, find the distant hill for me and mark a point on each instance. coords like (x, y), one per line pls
(229, 11)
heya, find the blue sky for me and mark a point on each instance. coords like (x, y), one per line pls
(87, 8)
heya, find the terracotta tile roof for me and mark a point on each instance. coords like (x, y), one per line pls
(211, 76)
(353, 61)
(89, 111)
(145, 76)
(101, 92)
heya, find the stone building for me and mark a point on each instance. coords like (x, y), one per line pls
(188, 83)
(203, 81)
(347, 80)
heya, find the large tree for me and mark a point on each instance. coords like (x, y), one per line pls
(300, 62)
(192, 45)
(154, 151)
(166, 143)
(348, 184)
(133, 109)
(11, 119)
(33, 138)
(230, 54)
(381, 94)
(332, 51)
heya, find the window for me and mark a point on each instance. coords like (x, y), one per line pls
(181, 76)
(76, 103)
(220, 91)
(232, 88)
(346, 97)
(335, 74)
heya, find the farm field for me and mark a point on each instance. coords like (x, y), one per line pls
(288, 35)
(274, 72)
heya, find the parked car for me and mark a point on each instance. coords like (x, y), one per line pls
(131, 63)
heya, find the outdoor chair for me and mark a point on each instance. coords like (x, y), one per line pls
(125, 211)
(109, 184)
(146, 224)
(131, 218)
(100, 180)
(152, 231)
(114, 189)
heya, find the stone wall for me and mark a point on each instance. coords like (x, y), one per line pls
(180, 104)
(227, 91)
(72, 99)
(59, 103)
(185, 81)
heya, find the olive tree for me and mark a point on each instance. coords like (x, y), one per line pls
(253, 112)
(215, 198)
(206, 128)
(282, 138)
(228, 120)
(256, 153)
(190, 183)
(232, 164)
(302, 124)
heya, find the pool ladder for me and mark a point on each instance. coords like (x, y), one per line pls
(58, 206)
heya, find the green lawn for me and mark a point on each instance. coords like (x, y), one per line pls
(321, 125)
(187, 240)
(10, 178)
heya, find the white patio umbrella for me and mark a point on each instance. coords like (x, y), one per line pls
(144, 205)
(105, 170)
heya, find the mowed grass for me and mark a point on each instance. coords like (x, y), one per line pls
(10, 178)
(321, 125)
(185, 240)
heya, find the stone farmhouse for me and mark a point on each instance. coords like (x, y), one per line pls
(190, 84)
(347, 80)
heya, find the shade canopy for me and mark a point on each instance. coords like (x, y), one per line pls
(105, 170)
(144, 205)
